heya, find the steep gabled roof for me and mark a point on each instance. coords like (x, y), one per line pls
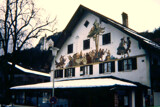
(146, 43)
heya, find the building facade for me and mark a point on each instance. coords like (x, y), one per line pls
(103, 63)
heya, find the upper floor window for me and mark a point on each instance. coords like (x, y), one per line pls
(70, 48)
(127, 64)
(58, 74)
(106, 38)
(86, 23)
(86, 70)
(70, 72)
(86, 44)
(106, 67)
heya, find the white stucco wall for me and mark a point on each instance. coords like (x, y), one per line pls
(80, 33)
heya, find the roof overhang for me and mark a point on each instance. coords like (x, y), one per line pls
(30, 71)
(80, 83)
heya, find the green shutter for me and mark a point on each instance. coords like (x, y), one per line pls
(73, 72)
(134, 63)
(101, 68)
(91, 69)
(113, 66)
(121, 65)
(66, 73)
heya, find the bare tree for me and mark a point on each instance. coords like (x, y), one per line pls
(20, 21)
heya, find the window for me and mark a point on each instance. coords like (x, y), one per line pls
(106, 67)
(45, 98)
(86, 23)
(70, 48)
(106, 38)
(70, 72)
(86, 44)
(127, 64)
(58, 74)
(86, 70)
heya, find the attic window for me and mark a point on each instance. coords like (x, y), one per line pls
(86, 23)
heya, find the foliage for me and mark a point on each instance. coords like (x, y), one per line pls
(155, 35)
(20, 22)
(35, 59)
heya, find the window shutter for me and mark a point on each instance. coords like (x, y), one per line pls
(91, 69)
(108, 38)
(66, 73)
(73, 72)
(61, 73)
(134, 63)
(101, 68)
(112, 66)
(120, 65)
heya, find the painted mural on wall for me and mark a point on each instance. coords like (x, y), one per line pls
(94, 33)
(61, 62)
(78, 59)
(97, 55)
(124, 47)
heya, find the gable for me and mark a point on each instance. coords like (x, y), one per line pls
(79, 14)
(120, 44)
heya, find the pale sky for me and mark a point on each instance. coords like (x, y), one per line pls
(143, 14)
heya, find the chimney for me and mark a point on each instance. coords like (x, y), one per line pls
(125, 19)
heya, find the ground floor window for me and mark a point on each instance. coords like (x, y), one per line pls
(70, 72)
(58, 74)
(86, 70)
(107, 67)
(127, 64)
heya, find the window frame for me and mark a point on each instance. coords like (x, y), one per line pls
(70, 48)
(70, 72)
(86, 44)
(86, 70)
(107, 67)
(86, 23)
(106, 38)
(128, 64)
(58, 74)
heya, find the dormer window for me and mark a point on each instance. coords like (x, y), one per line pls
(70, 48)
(86, 44)
(86, 23)
(106, 38)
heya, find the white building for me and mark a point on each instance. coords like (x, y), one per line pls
(103, 57)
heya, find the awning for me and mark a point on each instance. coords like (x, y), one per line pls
(80, 83)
